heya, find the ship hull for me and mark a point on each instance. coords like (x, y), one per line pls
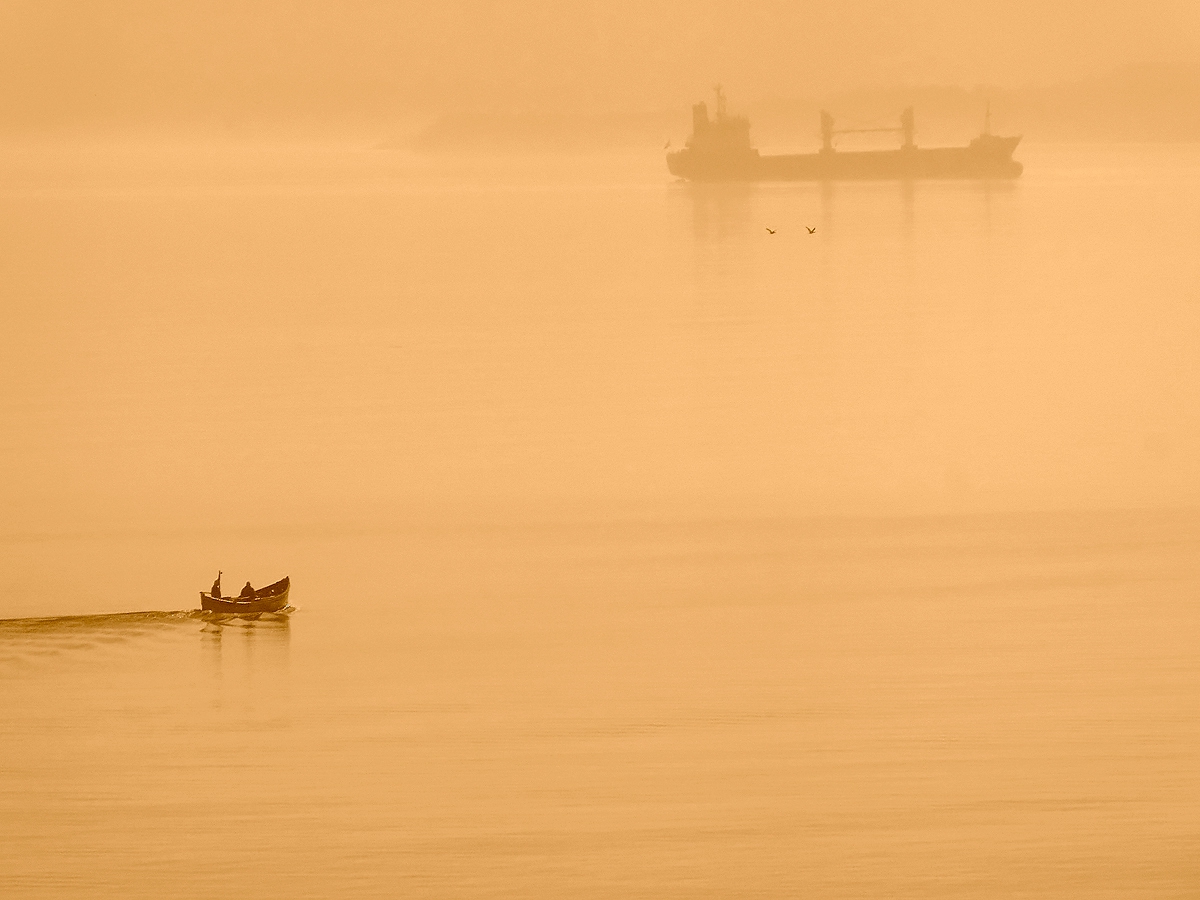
(994, 161)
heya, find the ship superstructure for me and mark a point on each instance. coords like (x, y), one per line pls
(720, 150)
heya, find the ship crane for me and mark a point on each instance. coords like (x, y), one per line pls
(906, 127)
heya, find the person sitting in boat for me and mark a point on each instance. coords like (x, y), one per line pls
(216, 588)
(247, 591)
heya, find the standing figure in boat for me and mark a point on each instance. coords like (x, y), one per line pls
(216, 588)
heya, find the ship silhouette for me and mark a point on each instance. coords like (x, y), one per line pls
(720, 150)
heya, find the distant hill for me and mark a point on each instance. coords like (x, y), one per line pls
(1135, 104)
(523, 132)
(1145, 103)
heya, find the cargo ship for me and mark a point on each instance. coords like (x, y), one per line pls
(720, 150)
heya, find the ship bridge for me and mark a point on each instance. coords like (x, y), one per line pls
(722, 134)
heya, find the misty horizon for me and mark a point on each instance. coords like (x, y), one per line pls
(1154, 103)
(315, 68)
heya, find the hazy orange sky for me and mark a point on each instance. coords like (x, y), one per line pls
(81, 63)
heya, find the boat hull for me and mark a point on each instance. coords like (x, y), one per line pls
(993, 161)
(272, 598)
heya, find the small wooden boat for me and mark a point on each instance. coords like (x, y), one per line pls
(271, 598)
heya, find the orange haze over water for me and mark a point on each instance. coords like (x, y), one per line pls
(647, 539)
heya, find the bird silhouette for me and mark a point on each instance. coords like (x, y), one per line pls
(811, 230)
(770, 231)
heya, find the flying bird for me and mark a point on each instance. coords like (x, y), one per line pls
(770, 231)
(811, 230)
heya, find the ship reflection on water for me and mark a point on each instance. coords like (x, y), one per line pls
(731, 210)
(721, 211)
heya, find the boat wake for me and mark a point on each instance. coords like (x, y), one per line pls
(105, 622)
(25, 641)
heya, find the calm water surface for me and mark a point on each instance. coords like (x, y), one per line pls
(635, 551)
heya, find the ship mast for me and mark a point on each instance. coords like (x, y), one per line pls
(826, 132)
